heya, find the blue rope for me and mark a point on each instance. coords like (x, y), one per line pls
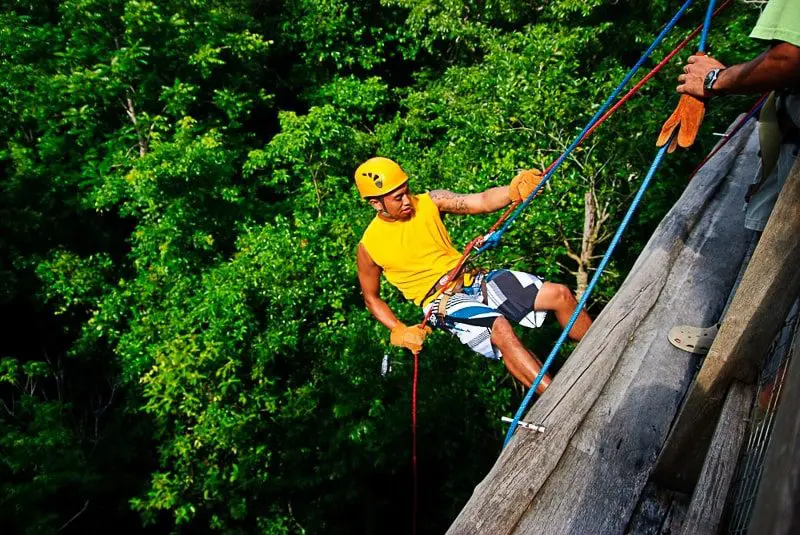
(706, 26)
(494, 239)
(623, 225)
(606, 257)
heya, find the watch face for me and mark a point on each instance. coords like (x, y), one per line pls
(711, 77)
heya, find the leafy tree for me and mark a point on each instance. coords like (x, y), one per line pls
(189, 350)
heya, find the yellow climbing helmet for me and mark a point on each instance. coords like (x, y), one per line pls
(378, 176)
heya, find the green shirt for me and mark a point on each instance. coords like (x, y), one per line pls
(780, 21)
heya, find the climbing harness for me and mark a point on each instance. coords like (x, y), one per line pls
(451, 284)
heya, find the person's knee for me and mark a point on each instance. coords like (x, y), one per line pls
(565, 294)
(502, 331)
(502, 325)
(558, 295)
(555, 297)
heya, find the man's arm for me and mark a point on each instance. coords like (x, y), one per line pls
(490, 200)
(777, 68)
(369, 276)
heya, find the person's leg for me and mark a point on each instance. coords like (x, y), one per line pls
(559, 299)
(525, 299)
(481, 316)
(519, 361)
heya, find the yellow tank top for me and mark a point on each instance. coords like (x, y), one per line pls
(413, 254)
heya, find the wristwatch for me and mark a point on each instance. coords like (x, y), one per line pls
(711, 79)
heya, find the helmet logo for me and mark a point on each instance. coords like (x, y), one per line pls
(378, 179)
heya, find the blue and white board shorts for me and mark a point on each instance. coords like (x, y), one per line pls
(470, 314)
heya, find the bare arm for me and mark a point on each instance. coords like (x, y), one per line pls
(777, 68)
(491, 200)
(369, 276)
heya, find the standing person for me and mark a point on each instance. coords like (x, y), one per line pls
(776, 70)
(408, 243)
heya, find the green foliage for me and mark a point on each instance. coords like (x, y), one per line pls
(189, 350)
(48, 473)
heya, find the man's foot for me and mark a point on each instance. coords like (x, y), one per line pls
(695, 340)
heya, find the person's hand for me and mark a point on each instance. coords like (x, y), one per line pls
(694, 75)
(523, 184)
(411, 338)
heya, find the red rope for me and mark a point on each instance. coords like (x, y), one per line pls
(450, 278)
(727, 137)
(655, 70)
(414, 440)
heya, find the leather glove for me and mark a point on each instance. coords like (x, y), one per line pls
(687, 117)
(411, 338)
(523, 184)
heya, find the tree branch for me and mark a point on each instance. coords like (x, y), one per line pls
(570, 252)
(127, 104)
(79, 513)
(9, 411)
(567, 269)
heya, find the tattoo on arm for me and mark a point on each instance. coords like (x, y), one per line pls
(447, 201)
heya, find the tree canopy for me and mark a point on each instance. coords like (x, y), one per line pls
(186, 348)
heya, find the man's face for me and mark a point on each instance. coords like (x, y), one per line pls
(396, 204)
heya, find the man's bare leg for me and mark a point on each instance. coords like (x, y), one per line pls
(559, 299)
(520, 362)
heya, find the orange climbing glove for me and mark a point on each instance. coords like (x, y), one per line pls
(687, 118)
(409, 337)
(523, 184)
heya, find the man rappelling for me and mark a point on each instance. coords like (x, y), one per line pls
(408, 243)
